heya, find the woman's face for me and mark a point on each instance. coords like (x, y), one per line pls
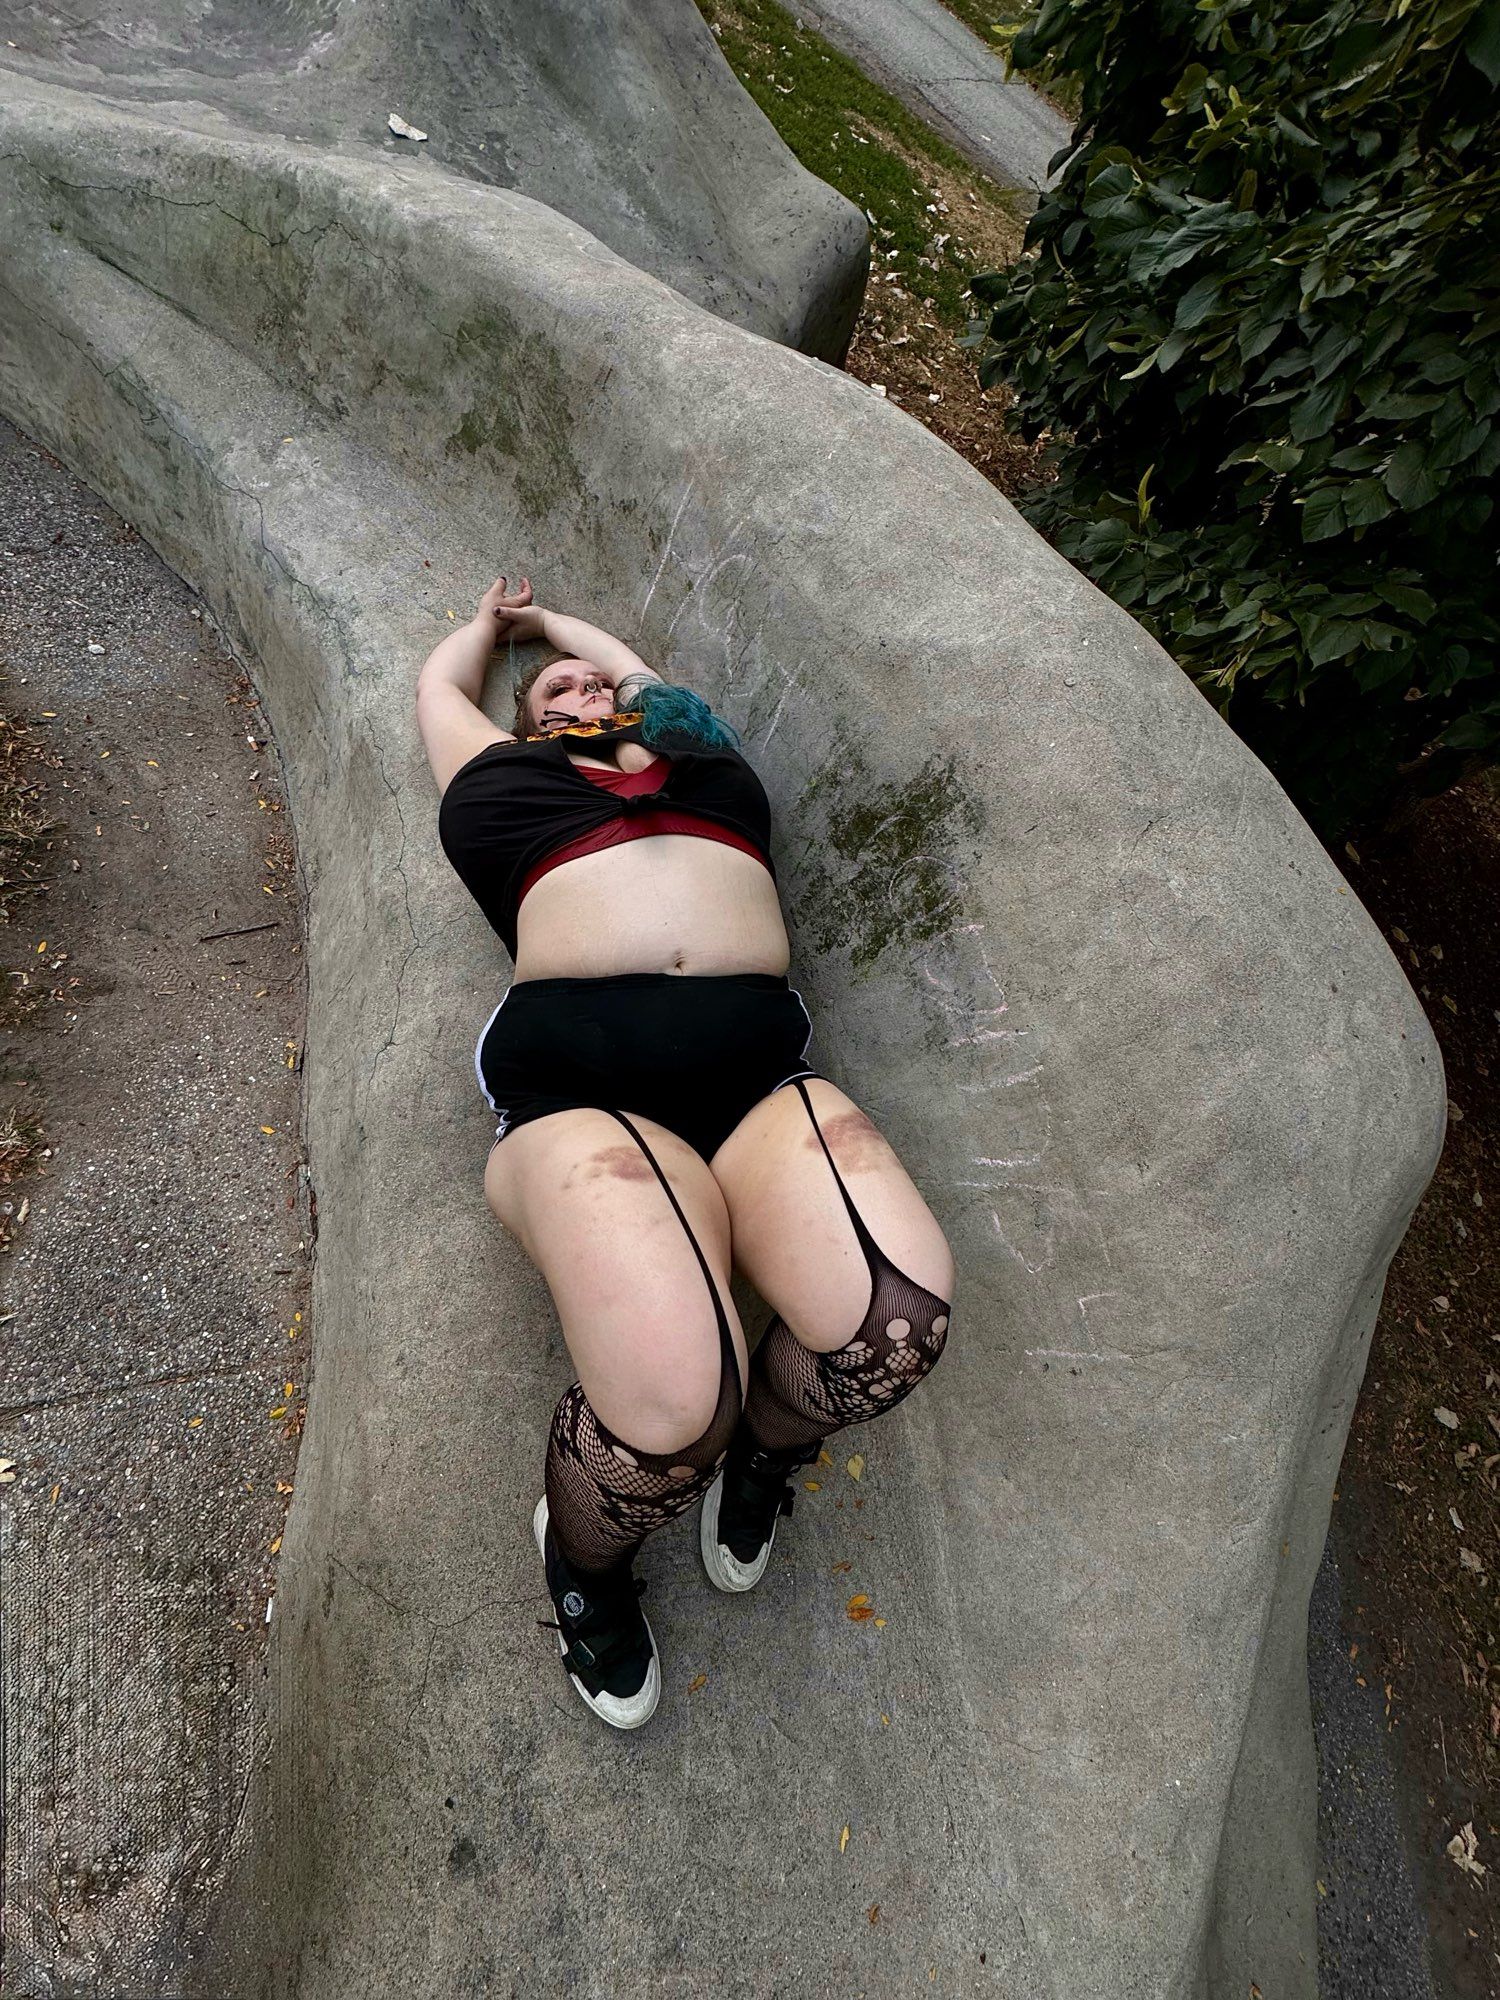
(570, 691)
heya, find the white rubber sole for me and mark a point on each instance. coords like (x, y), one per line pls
(619, 1711)
(726, 1571)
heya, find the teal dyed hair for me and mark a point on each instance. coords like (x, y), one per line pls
(674, 718)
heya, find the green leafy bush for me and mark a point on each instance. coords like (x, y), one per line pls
(1259, 320)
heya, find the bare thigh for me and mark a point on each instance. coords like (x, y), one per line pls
(635, 1307)
(792, 1235)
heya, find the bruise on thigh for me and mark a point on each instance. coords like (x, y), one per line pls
(623, 1162)
(857, 1146)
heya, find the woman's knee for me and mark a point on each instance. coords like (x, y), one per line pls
(662, 1406)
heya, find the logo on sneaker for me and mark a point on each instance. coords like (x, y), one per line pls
(574, 1605)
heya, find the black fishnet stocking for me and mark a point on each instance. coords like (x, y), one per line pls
(796, 1396)
(604, 1496)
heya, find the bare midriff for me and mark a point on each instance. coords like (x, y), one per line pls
(666, 903)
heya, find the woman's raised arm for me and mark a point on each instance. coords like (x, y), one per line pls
(582, 641)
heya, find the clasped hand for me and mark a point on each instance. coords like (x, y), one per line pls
(510, 614)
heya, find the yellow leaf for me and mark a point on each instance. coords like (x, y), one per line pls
(824, 1459)
(885, 1722)
(193, 1423)
(813, 1485)
(855, 1466)
(287, 1388)
(878, 1623)
(843, 1840)
(269, 1130)
(55, 1491)
(279, 1411)
(276, 1545)
(855, 1601)
(151, 764)
(694, 1685)
(283, 1486)
(296, 1315)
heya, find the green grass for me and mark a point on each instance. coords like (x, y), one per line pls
(817, 100)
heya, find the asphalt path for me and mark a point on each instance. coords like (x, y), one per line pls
(953, 81)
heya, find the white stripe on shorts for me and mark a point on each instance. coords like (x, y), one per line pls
(479, 1073)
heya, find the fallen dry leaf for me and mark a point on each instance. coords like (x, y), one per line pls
(701, 1680)
(1462, 1850)
(873, 1913)
(1447, 1418)
(855, 1466)
(843, 1840)
(842, 1569)
(813, 1485)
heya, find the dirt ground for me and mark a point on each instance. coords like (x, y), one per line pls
(158, 1229)
(1415, 1523)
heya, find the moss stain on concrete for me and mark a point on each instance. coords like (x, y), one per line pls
(520, 413)
(899, 840)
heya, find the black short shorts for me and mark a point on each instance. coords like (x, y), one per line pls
(694, 1053)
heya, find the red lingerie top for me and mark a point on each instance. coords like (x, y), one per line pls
(631, 784)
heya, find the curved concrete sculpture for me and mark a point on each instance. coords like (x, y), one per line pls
(627, 119)
(1061, 933)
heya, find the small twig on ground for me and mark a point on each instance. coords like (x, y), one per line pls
(243, 931)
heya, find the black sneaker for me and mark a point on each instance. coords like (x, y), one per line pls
(607, 1646)
(737, 1524)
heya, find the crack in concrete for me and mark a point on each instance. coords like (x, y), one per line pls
(316, 230)
(270, 1366)
(415, 945)
(440, 1626)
